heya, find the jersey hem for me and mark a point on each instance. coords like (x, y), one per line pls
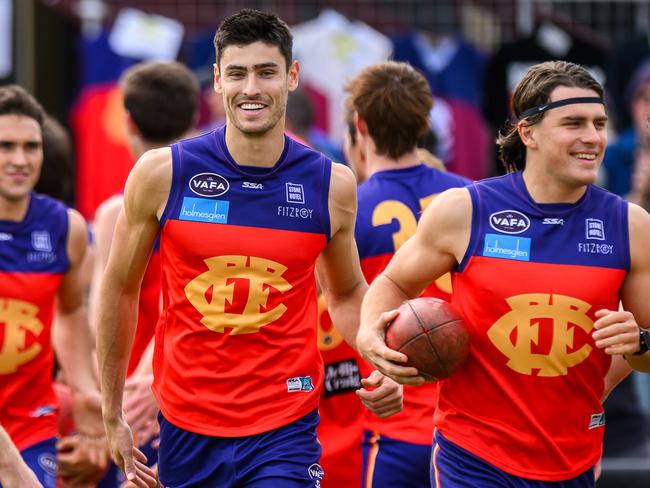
(529, 475)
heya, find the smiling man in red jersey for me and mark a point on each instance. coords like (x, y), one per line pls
(246, 217)
(542, 258)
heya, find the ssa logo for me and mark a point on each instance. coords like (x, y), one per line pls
(509, 222)
(209, 184)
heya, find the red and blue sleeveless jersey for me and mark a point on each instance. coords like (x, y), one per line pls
(390, 205)
(236, 351)
(528, 399)
(33, 260)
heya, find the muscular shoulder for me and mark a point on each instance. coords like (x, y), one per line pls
(342, 197)
(447, 222)
(77, 237)
(343, 186)
(639, 225)
(148, 184)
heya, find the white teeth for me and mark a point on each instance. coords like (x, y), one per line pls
(585, 156)
(252, 106)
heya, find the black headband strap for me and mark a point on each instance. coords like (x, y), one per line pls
(559, 103)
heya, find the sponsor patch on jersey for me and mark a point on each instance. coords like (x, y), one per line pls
(552, 221)
(41, 241)
(209, 185)
(204, 210)
(299, 383)
(4, 236)
(252, 186)
(595, 248)
(316, 473)
(295, 193)
(295, 212)
(595, 229)
(597, 420)
(42, 411)
(341, 377)
(509, 222)
(507, 247)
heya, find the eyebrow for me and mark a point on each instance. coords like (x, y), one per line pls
(572, 118)
(259, 66)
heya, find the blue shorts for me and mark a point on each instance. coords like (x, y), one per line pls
(389, 463)
(41, 459)
(454, 467)
(286, 457)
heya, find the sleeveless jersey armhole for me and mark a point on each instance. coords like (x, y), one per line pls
(625, 234)
(174, 191)
(325, 182)
(475, 231)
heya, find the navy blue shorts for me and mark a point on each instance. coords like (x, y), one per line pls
(286, 457)
(41, 459)
(454, 467)
(389, 463)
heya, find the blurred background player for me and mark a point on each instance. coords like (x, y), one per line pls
(392, 102)
(44, 244)
(238, 328)
(545, 326)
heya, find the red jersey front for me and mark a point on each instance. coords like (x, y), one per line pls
(528, 399)
(236, 350)
(33, 260)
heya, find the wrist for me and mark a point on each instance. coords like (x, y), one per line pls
(644, 342)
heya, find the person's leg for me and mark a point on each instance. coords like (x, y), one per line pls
(389, 463)
(188, 460)
(287, 457)
(41, 459)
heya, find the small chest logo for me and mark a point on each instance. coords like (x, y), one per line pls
(41, 241)
(553, 221)
(5, 236)
(595, 229)
(209, 184)
(295, 193)
(509, 222)
(252, 186)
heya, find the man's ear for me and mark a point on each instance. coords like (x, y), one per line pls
(527, 134)
(293, 75)
(360, 124)
(217, 78)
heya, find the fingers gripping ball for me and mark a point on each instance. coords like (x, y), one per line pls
(432, 335)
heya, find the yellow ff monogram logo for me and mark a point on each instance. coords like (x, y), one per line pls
(528, 311)
(222, 270)
(18, 317)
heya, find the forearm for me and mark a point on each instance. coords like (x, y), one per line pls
(344, 311)
(383, 295)
(116, 329)
(10, 459)
(74, 347)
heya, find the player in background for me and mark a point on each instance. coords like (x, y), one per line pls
(245, 216)
(542, 257)
(392, 102)
(44, 244)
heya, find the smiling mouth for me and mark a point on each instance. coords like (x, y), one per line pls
(588, 156)
(252, 106)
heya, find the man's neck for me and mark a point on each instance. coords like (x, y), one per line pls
(544, 188)
(381, 162)
(13, 210)
(262, 150)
